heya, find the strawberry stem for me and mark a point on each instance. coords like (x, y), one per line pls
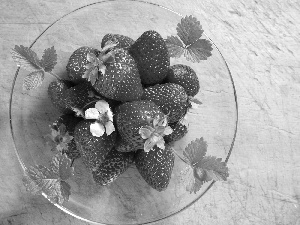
(54, 75)
(179, 156)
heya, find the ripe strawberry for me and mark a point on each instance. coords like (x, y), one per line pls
(179, 130)
(80, 95)
(77, 62)
(171, 99)
(121, 40)
(184, 76)
(92, 149)
(70, 122)
(56, 92)
(121, 80)
(155, 166)
(130, 117)
(114, 165)
(151, 55)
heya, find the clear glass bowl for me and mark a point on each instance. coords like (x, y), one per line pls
(128, 200)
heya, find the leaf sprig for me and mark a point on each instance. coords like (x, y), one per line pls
(202, 168)
(189, 42)
(39, 179)
(27, 59)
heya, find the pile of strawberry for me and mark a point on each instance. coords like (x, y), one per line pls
(123, 105)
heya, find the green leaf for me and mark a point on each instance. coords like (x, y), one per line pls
(202, 168)
(195, 151)
(175, 46)
(26, 58)
(39, 179)
(33, 80)
(199, 50)
(214, 167)
(189, 30)
(49, 59)
(190, 45)
(61, 165)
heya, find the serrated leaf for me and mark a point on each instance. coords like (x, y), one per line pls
(39, 179)
(191, 45)
(189, 30)
(215, 168)
(195, 151)
(26, 58)
(49, 59)
(199, 50)
(33, 80)
(202, 168)
(175, 46)
(61, 165)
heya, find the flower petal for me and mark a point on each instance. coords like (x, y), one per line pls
(168, 130)
(92, 113)
(109, 127)
(97, 129)
(151, 142)
(161, 143)
(102, 106)
(145, 132)
(163, 122)
(156, 120)
(110, 115)
(91, 57)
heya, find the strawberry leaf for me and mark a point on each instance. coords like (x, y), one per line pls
(190, 45)
(199, 50)
(189, 30)
(39, 179)
(26, 58)
(202, 168)
(175, 46)
(49, 59)
(214, 167)
(33, 80)
(61, 165)
(195, 151)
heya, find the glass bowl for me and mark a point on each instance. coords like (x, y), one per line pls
(128, 200)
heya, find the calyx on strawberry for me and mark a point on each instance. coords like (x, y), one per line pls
(63, 134)
(114, 165)
(77, 61)
(141, 125)
(151, 55)
(156, 166)
(92, 149)
(171, 99)
(121, 40)
(186, 77)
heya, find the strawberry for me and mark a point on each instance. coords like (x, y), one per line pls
(155, 166)
(130, 117)
(76, 64)
(151, 55)
(121, 80)
(56, 93)
(184, 76)
(121, 40)
(80, 95)
(179, 130)
(114, 165)
(92, 149)
(69, 121)
(171, 99)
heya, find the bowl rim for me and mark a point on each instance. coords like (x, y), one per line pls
(23, 166)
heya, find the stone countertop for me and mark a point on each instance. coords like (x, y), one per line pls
(260, 41)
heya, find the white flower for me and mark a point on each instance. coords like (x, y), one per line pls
(104, 119)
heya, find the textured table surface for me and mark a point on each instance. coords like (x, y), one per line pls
(261, 41)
